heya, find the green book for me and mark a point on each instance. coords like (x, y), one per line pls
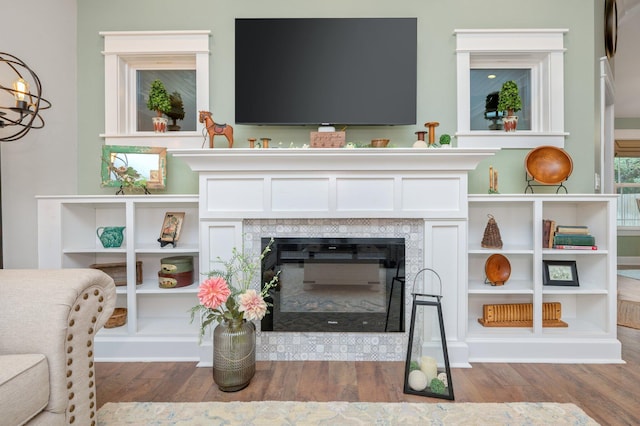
(574, 239)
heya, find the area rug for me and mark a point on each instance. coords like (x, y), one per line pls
(340, 413)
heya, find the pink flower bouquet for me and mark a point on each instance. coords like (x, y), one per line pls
(221, 301)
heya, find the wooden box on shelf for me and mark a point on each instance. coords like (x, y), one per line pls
(327, 139)
(118, 271)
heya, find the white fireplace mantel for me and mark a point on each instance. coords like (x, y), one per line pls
(313, 159)
(236, 185)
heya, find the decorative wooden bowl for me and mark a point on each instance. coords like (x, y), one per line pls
(379, 143)
(497, 269)
(548, 165)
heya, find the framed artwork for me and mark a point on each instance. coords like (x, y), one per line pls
(560, 272)
(134, 167)
(171, 227)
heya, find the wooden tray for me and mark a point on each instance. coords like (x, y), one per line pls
(521, 315)
(118, 271)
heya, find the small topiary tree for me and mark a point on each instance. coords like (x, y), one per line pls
(159, 100)
(509, 98)
(177, 110)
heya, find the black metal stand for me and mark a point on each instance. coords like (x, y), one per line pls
(531, 185)
(121, 190)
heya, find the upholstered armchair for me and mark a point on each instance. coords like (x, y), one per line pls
(48, 321)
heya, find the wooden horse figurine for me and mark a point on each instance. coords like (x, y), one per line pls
(214, 128)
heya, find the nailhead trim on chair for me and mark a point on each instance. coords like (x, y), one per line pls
(73, 334)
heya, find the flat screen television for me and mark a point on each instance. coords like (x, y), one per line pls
(312, 71)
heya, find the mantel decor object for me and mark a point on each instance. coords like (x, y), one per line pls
(379, 143)
(327, 139)
(427, 371)
(215, 129)
(491, 238)
(431, 125)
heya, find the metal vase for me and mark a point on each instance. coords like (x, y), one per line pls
(234, 354)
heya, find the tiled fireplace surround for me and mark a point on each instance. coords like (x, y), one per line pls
(418, 195)
(282, 346)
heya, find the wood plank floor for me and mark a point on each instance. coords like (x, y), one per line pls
(606, 392)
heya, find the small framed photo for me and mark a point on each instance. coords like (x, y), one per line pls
(560, 272)
(171, 227)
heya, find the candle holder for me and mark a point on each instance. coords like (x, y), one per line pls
(493, 181)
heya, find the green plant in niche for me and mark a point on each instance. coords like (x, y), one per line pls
(159, 100)
(177, 110)
(509, 98)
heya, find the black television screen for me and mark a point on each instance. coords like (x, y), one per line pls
(311, 71)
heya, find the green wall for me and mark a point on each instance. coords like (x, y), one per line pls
(627, 123)
(437, 20)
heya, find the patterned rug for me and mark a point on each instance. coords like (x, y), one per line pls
(340, 413)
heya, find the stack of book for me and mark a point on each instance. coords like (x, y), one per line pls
(573, 237)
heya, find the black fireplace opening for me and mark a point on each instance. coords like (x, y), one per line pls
(335, 284)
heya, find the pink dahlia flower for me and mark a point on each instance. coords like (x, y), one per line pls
(213, 292)
(252, 304)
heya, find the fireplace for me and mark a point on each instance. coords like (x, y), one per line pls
(419, 195)
(336, 284)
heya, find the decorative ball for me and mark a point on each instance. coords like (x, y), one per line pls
(437, 386)
(420, 144)
(443, 378)
(417, 380)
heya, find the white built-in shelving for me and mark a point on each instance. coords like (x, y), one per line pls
(158, 320)
(589, 309)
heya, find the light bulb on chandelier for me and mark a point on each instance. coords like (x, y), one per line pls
(23, 114)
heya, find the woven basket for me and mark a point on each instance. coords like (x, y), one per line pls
(117, 319)
(491, 238)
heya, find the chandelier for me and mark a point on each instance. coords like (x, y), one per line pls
(19, 106)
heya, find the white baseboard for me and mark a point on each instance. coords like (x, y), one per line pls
(628, 260)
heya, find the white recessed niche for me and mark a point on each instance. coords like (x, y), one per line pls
(541, 51)
(127, 54)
